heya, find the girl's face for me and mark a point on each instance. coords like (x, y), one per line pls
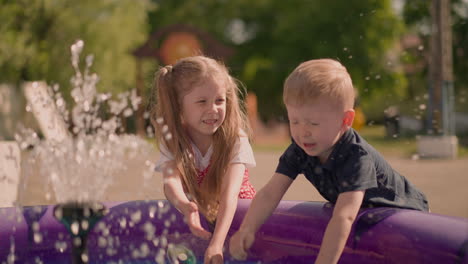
(317, 126)
(204, 109)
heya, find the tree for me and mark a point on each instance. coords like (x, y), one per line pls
(37, 35)
(416, 15)
(272, 37)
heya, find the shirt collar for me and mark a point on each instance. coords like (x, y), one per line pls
(339, 149)
(202, 162)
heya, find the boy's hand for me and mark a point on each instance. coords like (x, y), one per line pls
(240, 243)
(213, 255)
(192, 217)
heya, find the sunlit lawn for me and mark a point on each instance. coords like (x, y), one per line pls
(403, 147)
(399, 146)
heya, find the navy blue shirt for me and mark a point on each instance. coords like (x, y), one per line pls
(353, 165)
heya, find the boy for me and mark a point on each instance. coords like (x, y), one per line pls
(345, 169)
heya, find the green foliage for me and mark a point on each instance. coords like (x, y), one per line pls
(416, 14)
(274, 36)
(37, 35)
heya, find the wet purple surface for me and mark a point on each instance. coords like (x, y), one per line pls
(142, 231)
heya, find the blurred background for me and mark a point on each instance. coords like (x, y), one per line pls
(408, 61)
(385, 44)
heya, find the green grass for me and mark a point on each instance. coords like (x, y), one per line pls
(403, 147)
(399, 146)
(277, 147)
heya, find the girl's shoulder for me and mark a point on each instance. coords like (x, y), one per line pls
(242, 151)
(242, 133)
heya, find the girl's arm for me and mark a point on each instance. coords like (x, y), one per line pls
(337, 232)
(265, 202)
(174, 192)
(229, 194)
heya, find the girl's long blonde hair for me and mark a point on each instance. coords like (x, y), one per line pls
(171, 84)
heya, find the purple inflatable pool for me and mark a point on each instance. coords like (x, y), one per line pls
(153, 231)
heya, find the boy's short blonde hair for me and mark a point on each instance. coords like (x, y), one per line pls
(324, 78)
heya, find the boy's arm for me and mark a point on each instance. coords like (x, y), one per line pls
(262, 206)
(174, 192)
(337, 232)
(229, 194)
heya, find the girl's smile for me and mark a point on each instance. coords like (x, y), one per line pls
(204, 110)
(210, 121)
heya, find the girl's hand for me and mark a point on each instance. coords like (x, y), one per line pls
(240, 243)
(213, 255)
(192, 217)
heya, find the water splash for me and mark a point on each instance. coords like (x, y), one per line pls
(81, 160)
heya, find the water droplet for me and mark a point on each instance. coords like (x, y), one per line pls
(152, 211)
(85, 224)
(136, 217)
(77, 241)
(75, 228)
(102, 242)
(86, 106)
(37, 238)
(144, 250)
(128, 112)
(318, 170)
(123, 223)
(58, 213)
(84, 257)
(150, 230)
(61, 246)
(160, 256)
(59, 102)
(35, 226)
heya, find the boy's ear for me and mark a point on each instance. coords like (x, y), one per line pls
(348, 118)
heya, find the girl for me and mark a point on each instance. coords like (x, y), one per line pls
(205, 150)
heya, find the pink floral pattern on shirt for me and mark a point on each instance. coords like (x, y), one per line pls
(247, 191)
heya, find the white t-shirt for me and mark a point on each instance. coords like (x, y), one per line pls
(244, 155)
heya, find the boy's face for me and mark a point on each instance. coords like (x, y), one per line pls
(204, 109)
(317, 126)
